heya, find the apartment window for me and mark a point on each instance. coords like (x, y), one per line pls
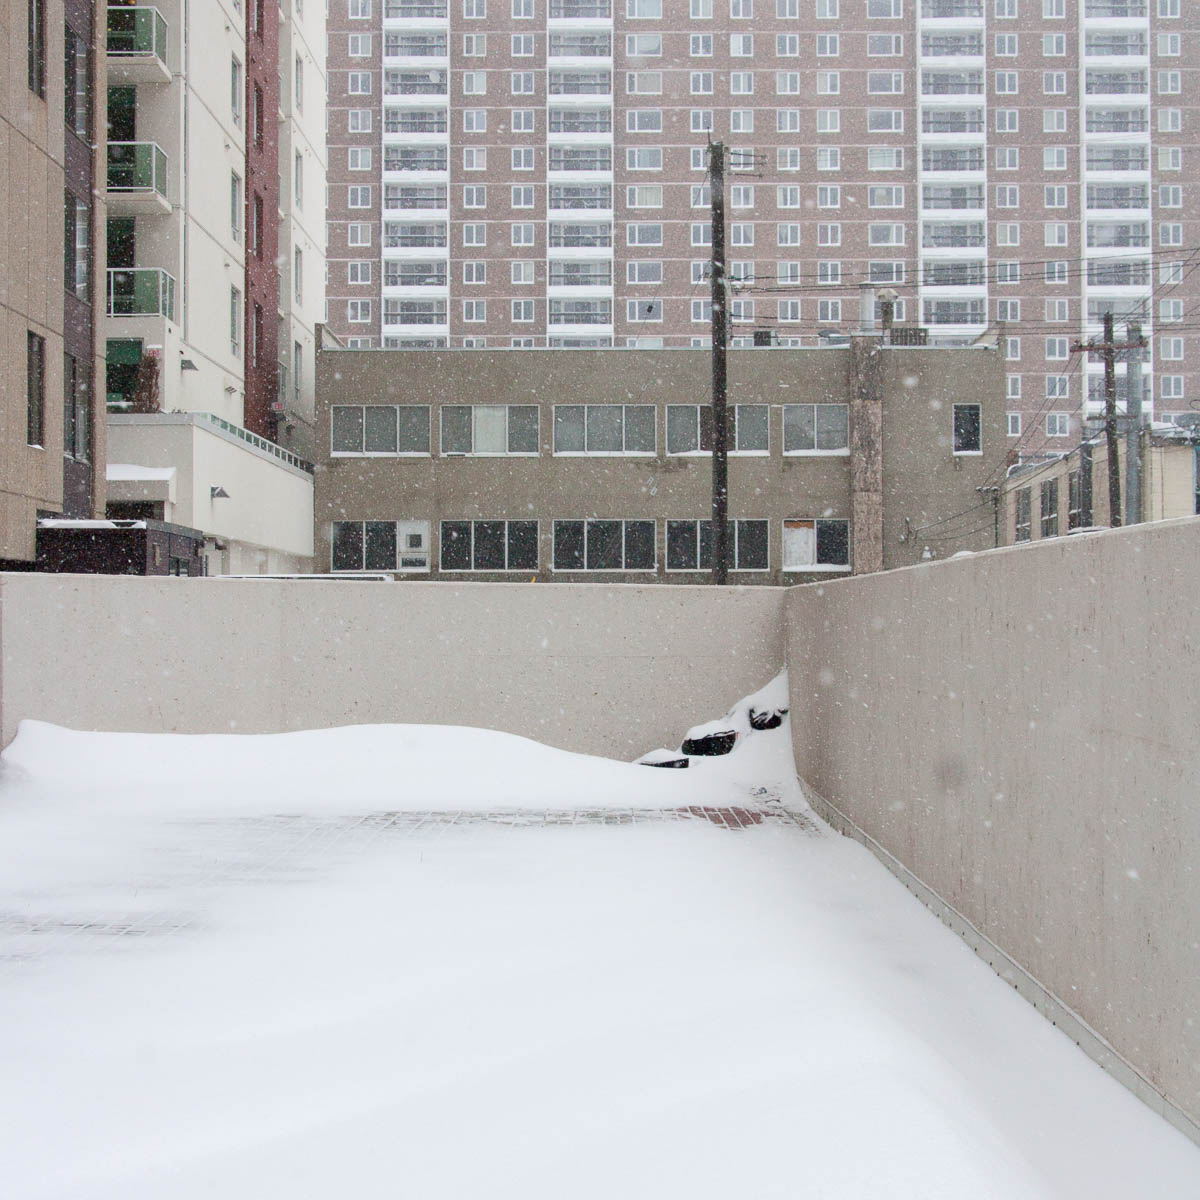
(604, 545)
(1054, 83)
(816, 429)
(701, 83)
(787, 10)
(35, 380)
(522, 273)
(1055, 233)
(1171, 387)
(644, 234)
(360, 10)
(475, 44)
(1058, 424)
(380, 546)
(522, 83)
(358, 272)
(829, 196)
(1056, 271)
(522, 10)
(475, 234)
(1054, 9)
(644, 196)
(236, 91)
(1054, 45)
(1170, 158)
(1022, 515)
(1013, 424)
(474, 83)
(358, 234)
(1007, 120)
(828, 45)
(36, 63)
(474, 197)
(787, 234)
(257, 226)
(884, 158)
(1057, 311)
(883, 197)
(358, 120)
(643, 45)
(474, 10)
(644, 120)
(884, 120)
(1170, 234)
(1054, 120)
(1012, 352)
(1168, 8)
(604, 429)
(474, 158)
(741, 10)
(885, 82)
(522, 159)
(788, 310)
(1008, 234)
(828, 10)
(489, 546)
(1008, 196)
(814, 544)
(741, 45)
(828, 83)
(522, 197)
(1170, 195)
(787, 158)
(522, 310)
(358, 312)
(489, 429)
(385, 429)
(690, 428)
(885, 235)
(1170, 349)
(643, 271)
(1169, 83)
(1169, 45)
(968, 429)
(829, 158)
(235, 321)
(359, 197)
(1049, 499)
(1170, 311)
(643, 83)
(787, 45)
(829, 272)
(522, 234)
(257, 116)
(830, 234)
(741, 83)
(1008, 310)
(1008, 158)
(689, 545)
(701, 45)
(474, 310)
(298, 275)
(1006, 45)
(1056, 348)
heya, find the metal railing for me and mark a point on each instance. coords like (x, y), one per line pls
(141, 292)
(137, 167)
(137, 32)
(254, 440)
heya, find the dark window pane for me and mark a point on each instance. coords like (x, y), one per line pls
(681, 545)
(751, 426)
(522, 545)
(568, 428)
(639, 428)
(489, 546)
(456, 545)
(381, 546)
(414, 429)
(966, 428)
(347, 429)
(752, 546)
(681, 428)
(604, 422)
(799, 432)
(347, 545)
(706, 427)
(456, 429)
(833, 426)
(522, 429)
(706, 545)
(604, 551)
(35, 388)
(380, 429)
(639, 545)
(833, 543)
(568, 545)
(70, 403)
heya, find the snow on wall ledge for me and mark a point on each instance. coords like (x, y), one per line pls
(1017, 730)
(594, 668)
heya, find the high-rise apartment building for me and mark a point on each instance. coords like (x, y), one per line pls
(534, 173)
(51, 428)
(216, 266)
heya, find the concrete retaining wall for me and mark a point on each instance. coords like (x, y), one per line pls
(614, 670)
(1019, 732)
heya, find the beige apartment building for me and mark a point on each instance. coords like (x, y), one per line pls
(533, 173)
(1071, 493)
(51, 264)
(589, 464)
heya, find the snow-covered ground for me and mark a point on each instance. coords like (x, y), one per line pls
(442, 963)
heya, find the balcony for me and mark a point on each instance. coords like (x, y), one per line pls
(137, 179)
(140, 292)
(137, 46)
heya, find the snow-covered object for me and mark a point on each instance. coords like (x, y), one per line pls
(765, 710)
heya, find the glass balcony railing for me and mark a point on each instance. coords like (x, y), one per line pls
(137, 167)
(141, 292)
(137, 32)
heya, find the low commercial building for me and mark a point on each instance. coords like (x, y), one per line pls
(1071, 493)
(574, 465)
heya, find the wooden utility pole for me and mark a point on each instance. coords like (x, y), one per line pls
(1133, 423)
(720, 428)
(1107, 348)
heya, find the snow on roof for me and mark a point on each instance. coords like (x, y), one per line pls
(59, 523)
